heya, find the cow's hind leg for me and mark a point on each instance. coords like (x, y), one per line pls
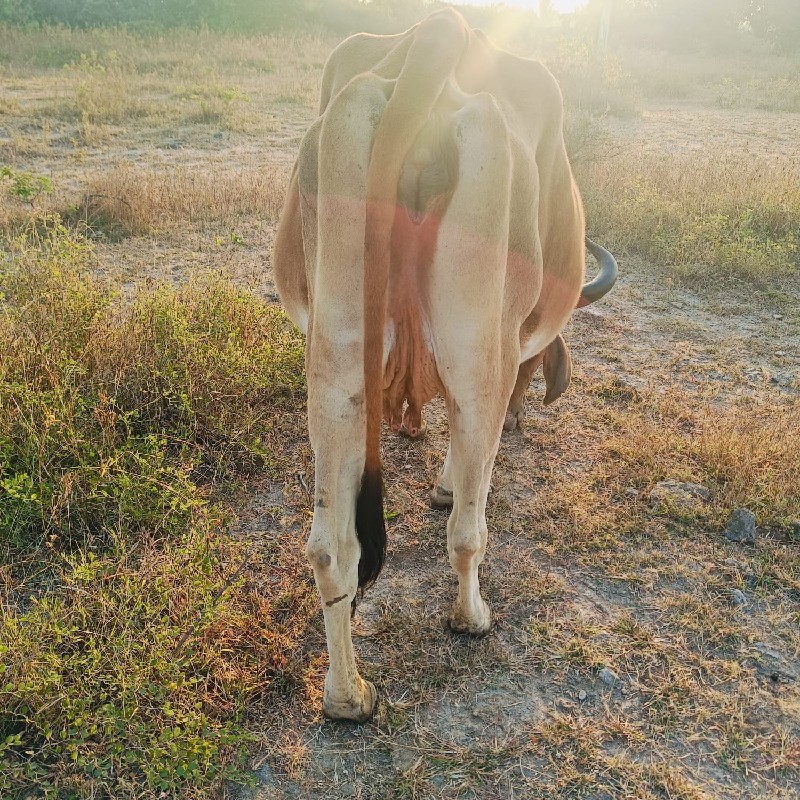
(474, 439)
(557, 364)
(516, 405)
(335, 374)
(333, 551)
(475, 416)
(442, 494)
(477, 349)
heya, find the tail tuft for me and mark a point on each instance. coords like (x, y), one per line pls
(370, 528)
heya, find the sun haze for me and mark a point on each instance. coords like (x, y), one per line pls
(562, 6)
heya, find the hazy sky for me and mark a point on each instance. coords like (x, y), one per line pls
(560, 5)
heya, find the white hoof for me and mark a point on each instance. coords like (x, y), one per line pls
(441, 498)
(478, 625)
(357, 709)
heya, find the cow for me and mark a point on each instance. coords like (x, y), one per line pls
(431, 243)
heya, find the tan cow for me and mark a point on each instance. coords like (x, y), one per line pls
(432, 242)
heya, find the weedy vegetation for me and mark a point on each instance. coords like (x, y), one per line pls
(721, 215)
(130, 637)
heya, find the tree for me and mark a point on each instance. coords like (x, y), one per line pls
(675, 25)
(777, 21)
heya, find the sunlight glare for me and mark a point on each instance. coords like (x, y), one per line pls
(562, 6)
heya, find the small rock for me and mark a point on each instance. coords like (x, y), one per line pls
(631, 492)
(780, 353)
(404, 757)
(732, 562)
(741, 527)
(738, 598)
(582, 695)
(772, 663)
(608, 676)
(777, 316)
(265, 788)
(678, 494)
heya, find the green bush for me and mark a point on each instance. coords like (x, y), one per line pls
(25, 185)
(133, 634)
(129, 680)
(210, 361)
(106, 411)
(91, 691)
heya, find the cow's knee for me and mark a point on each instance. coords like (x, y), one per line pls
(333, 556)
(465, 550)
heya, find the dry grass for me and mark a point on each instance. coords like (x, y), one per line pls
(705, 215)
(177, 54)
(91, 87)
(746, 452)
(754, 80)
(130, 199)
(582, 576)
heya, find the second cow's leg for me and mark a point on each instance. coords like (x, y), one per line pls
(442, 494)
(516, 405)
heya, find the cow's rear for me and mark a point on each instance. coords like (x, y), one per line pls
(431, 243)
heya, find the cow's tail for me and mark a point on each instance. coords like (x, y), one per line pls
(438, 44)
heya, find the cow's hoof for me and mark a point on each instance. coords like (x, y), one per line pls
(441, 498)
(355, 710)
(471, 626)
(414, 434)
(513, 419)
